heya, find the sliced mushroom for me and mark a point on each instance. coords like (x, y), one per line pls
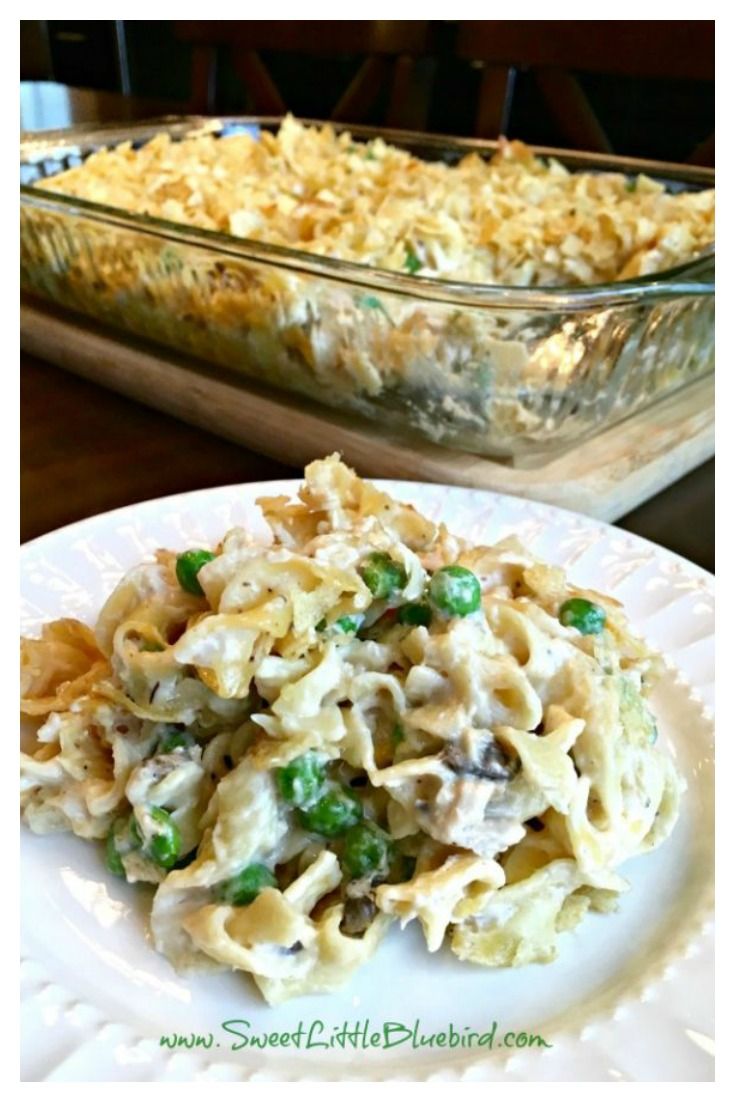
(358, 916)
(491, 763)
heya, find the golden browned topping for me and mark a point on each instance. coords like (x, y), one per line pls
(516, 219)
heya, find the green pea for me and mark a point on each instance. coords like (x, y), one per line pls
(333, 813)
(382, 575)
(172, 740)
(188, 565)
(366, 850)
(370, 302)
(163, 843)
(301, 781)
(416, 615)
(456, 590)
(412, 263)
(586, 617)
(112, 854)
(245, 885)
(345, 624)
(348, 624)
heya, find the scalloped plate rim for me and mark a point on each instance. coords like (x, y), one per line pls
(290, 485)
(194, 501)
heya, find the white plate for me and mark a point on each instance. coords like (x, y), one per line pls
(631, 995)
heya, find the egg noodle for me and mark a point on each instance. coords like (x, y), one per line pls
(365, 720)
(517, 219)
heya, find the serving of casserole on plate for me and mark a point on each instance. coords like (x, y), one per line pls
(481, 294)
(339, 721)
(368, 719)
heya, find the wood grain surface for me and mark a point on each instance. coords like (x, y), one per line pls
(606, 476)
(85, 449)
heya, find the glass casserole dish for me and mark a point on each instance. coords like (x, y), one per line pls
(510, 372)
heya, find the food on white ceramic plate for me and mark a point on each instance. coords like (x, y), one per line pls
(365, 721)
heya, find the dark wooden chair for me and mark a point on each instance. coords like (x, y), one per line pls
(390, 51)
(555, 50)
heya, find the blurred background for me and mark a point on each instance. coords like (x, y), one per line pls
(640, 88)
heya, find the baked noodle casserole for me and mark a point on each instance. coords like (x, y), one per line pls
(503, 303)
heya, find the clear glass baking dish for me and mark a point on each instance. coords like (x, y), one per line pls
(499, 371)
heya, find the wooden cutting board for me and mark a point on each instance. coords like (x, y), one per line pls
(604, 477)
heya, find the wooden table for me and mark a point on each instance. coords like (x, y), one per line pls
(85, 450)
